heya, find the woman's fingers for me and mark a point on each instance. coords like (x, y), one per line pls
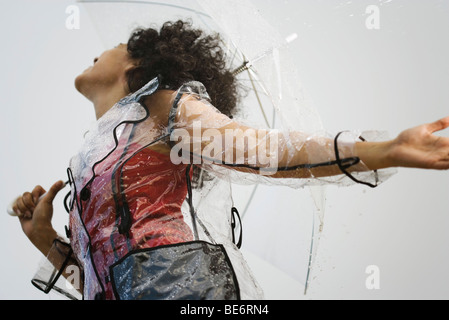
(17, 205)
(439, 125)
(28, 201)
(51, 194)
(439, 146)
(25, 204)
(37, 192)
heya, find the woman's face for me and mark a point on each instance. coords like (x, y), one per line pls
(108, 70)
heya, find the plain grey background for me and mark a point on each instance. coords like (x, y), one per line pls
(389, 79)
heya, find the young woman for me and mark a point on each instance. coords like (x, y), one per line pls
(164, 104)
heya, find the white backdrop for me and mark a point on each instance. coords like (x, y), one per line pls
(389, 78)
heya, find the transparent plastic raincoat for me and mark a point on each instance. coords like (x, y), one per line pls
(145, 225)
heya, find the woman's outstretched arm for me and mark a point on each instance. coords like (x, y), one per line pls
(216, 139)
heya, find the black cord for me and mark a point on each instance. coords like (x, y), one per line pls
(343, 168)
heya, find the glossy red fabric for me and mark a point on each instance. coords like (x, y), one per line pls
(150, 188)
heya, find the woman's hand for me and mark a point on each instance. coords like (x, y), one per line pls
(414, 148)
(35, 215)
(420, 148)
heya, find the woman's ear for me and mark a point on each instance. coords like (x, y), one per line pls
(128, 69)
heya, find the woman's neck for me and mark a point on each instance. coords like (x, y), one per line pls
(104, 101)
(159, 105)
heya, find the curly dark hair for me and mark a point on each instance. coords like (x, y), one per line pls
(178, 53)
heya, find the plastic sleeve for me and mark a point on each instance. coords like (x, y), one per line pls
(59, 271)
(205, 137)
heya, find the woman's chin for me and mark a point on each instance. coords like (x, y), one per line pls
(81, 82)
(78, 82)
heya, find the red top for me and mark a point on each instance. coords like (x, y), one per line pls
(153, 189)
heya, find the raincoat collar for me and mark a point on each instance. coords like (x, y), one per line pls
(145, 91)
(102, 138)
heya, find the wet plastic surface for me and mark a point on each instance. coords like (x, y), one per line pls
(130, 181)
